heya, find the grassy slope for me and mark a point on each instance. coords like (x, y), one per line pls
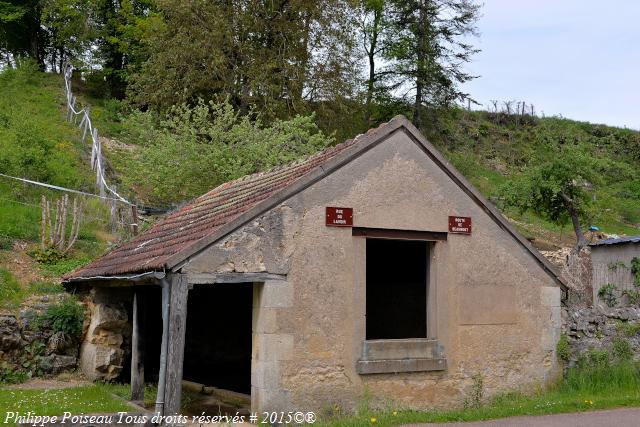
(77, 400)
(488, 150)
(37, 143)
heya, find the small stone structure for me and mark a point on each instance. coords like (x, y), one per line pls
(421, 288)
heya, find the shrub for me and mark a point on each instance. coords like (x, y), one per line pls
(629, 329)
(50, 255)
(635, 270)
(67, 317)
(210, 143)
(607, 294)
(10, 375)
(622, 349)
(563, 352)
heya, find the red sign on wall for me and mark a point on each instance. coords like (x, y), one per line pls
(460, 224)
(339, 217)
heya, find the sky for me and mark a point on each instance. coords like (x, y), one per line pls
(577, 59)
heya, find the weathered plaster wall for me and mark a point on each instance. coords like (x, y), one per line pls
(497, 313)
(612, 264)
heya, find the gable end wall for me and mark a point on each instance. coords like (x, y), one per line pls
(497, 312)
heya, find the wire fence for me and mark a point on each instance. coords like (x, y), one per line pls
(97, 160)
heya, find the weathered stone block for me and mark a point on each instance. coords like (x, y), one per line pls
(266, 375)
(55, 364)
(277, 293)
(272, 347)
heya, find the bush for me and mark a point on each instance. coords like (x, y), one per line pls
(607, 294)
(622, 349)
(203, 146)
(66, 317)
(563, 352)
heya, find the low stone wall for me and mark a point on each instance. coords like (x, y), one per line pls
(597, 328)
(28, 346)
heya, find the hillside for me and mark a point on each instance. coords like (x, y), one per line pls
(489, 149)
(37, 143)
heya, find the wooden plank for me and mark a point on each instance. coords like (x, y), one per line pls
(137, 348)
(384, 233)
(179, 291)
(211, 278)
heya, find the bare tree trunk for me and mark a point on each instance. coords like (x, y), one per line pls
(377, 15)
(581, 241)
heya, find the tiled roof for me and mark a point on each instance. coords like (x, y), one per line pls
(616, 241)
(150, 250)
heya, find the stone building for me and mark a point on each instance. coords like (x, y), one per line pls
(611, 262)
(372, 266)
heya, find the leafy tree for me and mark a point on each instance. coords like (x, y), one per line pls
(20, 30)
(275, 56)
(558, 188)
(193, 149)
(68, 28)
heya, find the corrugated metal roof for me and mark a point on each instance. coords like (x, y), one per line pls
(616, 241)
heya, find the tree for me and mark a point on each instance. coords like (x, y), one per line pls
(557, 189)
(426, 49)
(372, 25)
(20, 30)
(277, 56)
(68, 27)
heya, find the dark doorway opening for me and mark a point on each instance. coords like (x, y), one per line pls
(219, 336)
(396, 288)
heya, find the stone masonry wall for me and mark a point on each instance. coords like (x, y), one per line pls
(597, 327)
(29, 347)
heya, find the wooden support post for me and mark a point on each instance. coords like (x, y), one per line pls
(176, 328)
(137, 348)
(134, 217)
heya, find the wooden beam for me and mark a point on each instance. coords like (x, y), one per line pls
(211, 278)
(384, 233)
(137, 348)
(179, 291)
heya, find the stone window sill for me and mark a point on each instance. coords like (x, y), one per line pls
(401, 355)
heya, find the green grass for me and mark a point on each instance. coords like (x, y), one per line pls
(85, 399)
(489, 152)
(124, 391)
(64, 266)
(584, 389)
(11, 293)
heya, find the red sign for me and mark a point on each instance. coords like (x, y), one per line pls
(460, 224)
(339, 217)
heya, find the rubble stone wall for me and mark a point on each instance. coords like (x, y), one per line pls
(596, 328)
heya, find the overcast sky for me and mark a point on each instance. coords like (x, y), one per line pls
(576, 58)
